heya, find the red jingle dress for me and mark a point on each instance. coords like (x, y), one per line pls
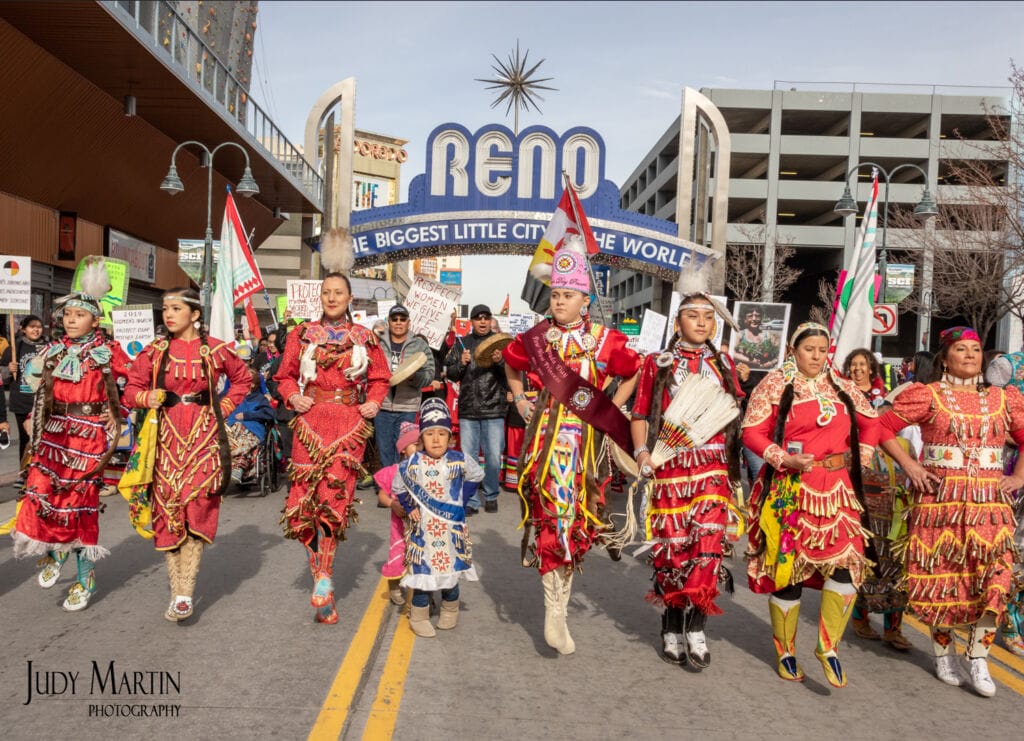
(959, 549)
(689, 507)
(330, 438)
(61, 505)
(559, 485)
(188, 476)
(817, 513)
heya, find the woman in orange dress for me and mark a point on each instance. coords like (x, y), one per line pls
(959, 550)
(334, 375)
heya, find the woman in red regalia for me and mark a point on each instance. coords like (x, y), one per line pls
(334, 375)
(75, 417)
(572, 360)
(689, 507)
(815, 430)
(178, 376)
(959, 549)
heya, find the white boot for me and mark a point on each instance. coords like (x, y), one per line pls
(949, 670)
(554, 623)
(981, 681)
(565, 584)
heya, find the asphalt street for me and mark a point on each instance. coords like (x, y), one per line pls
(252, 663)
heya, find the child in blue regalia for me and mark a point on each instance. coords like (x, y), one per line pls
(432, 487)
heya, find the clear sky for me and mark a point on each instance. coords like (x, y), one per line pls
(619, 67)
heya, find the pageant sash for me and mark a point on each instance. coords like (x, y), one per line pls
(572, 391)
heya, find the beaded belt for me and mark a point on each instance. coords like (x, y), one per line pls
(348, 396)
(88, 409)
(951, 456)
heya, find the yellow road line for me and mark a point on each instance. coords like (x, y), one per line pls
(384, 713)
(334, 711)
(997, 672)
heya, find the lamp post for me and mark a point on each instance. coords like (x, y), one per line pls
(246, 187)
(847, 206)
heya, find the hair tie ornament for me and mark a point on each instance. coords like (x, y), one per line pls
(553, 335)
(664, 360)
(337, 253)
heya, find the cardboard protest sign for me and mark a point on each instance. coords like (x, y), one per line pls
(133, 327)
(430, 306)
(303, 297)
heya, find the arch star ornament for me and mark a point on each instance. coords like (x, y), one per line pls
(516, 84)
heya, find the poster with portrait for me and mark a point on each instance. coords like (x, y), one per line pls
(761, 340)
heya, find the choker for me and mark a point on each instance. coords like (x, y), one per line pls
(571, 326)
(955, 381)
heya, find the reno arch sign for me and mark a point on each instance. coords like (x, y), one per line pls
(492, 191)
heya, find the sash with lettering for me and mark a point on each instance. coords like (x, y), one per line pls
(574, 392)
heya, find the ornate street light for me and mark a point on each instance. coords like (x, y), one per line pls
(246, 188)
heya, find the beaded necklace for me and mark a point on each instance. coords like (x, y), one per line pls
(961, 424)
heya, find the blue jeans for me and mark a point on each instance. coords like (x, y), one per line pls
(754, 463)
(385, 432)
(422, 599)
(489, 433)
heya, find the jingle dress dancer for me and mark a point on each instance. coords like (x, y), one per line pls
(572, 360)
(689, 507)
(178, 377)
(815, 430)
(959, 550)
(75, 417)
(334, 375)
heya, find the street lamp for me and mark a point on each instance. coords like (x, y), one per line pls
(246, 187)
(847, 206)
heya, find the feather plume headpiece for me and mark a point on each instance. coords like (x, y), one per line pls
(696, 281)
(95, 284)
(337, 253)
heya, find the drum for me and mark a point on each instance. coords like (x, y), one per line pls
(408, 367)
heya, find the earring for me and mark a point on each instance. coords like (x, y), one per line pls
(584, 311)
(197, 324)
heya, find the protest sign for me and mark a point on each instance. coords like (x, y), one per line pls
(117, 271)
(15, 283)
(133, 327)
(652, 329)
(430, 307)
(303, 299)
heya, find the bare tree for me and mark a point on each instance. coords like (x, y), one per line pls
(746, 272)
(822, 311)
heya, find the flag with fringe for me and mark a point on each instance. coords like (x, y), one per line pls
(567, 219)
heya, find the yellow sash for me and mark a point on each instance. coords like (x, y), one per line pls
(138, 476)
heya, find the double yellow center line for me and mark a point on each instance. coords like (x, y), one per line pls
(355, 670)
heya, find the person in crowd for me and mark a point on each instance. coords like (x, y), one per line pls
(863, 369)
(247, 429)
(814, 430)
(28, 344)
(431, 487)
(265, 355)
(394, 567)
(689, 506)
(75, 419)
(334, 376)
(482, 405)
(571, 360)
(1007, 369)
(515, 432)
(403, 399)
(882, 591)
(282, 413)
(178, 376)
(959, 551)
(756, 346)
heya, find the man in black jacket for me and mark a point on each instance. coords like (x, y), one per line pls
(483, 402)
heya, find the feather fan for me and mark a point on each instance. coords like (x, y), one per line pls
(699, 410)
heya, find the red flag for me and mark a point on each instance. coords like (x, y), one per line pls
(581, 220)
(505, 306)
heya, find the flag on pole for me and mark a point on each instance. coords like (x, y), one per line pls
(567, 219)
(238, 277)
(505, 306)
(854, 311)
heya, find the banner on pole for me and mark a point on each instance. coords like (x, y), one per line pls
(15, 283)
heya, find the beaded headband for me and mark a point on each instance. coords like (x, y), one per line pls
(804, 328)
(78, 300)
(184, 299)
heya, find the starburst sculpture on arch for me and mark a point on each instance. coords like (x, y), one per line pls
(516, 84)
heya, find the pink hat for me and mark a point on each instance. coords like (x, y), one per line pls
(408, 434)
(569, 267)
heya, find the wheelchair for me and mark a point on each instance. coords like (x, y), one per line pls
(266, 475)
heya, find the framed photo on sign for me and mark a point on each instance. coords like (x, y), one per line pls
(761, 340)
